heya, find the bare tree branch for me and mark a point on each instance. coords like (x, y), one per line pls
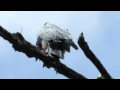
(20, 44)
(89, 54)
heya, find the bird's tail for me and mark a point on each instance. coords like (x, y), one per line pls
(71, 43)
(57, 53)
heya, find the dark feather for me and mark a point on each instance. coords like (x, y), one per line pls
(59, 45)
(56, 45)
(38, 42)
(71, 43)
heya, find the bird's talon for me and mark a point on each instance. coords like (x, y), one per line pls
(44, 52)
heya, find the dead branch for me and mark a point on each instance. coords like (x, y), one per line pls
(89, 54)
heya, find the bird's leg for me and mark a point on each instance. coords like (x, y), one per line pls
(48, 48)
(45, 50)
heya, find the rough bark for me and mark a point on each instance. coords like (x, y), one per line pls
(91, 56)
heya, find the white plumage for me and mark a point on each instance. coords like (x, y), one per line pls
(55, 39)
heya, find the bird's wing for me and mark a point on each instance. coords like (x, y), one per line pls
(69, 40)
(65, 35)
(52, 32)
(49, 33)
(64, 32)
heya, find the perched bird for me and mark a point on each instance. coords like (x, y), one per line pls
(56, 40)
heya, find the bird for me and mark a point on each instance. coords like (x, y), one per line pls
(54, 39)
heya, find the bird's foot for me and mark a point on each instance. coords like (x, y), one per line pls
(45, 52)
